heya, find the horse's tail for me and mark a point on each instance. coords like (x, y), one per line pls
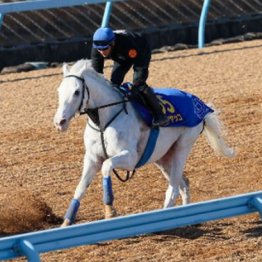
(213, 131)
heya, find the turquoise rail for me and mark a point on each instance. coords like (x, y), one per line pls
(12, 7)
(32, 244)
(202, 23)
(47, 4)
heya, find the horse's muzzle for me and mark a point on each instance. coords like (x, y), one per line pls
(61, 125)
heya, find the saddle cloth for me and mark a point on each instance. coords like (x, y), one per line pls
(181, 108)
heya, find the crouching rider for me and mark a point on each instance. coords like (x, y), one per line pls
(127, 49)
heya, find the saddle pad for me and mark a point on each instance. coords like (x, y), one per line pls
(181, 108)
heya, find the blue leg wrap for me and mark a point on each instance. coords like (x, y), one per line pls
(72, 210)
(108, 192)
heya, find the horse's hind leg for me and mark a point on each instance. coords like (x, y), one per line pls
(172, 165)
(184, 190)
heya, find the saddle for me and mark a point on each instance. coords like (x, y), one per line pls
(180, 107)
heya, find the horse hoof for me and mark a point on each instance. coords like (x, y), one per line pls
(66, 223)
(109, 212)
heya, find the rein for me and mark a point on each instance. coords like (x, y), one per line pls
(91, 112)
(94, 115)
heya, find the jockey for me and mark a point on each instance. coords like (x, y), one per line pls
(127, 49)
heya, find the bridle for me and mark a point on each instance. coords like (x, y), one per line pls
(93, 113)
(85, 87)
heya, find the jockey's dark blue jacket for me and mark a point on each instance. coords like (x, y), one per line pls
(129, 49)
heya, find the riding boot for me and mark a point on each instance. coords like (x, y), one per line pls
(159, 117)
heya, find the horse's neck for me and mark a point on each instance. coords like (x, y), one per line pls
(103, 94)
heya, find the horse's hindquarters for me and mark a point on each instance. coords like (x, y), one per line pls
(175, 136)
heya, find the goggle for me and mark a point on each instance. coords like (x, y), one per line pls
(103, 49)
(101, 43)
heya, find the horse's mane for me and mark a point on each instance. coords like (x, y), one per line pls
(86, 65)
(80, 65)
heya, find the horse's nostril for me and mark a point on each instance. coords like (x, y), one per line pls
(62, 122)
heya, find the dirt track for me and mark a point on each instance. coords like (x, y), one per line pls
(40, 168)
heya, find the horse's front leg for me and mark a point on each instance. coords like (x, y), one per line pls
(124, 160)
(89, 171)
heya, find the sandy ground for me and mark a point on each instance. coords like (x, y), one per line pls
(40, 168)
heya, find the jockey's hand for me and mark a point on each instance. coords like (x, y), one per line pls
(120, 88)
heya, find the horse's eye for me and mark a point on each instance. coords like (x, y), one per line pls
(77, 93)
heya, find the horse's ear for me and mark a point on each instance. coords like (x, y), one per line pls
(65, 69)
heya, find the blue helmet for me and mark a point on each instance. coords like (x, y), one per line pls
(103, 37)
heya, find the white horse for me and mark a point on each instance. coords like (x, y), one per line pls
(119, 138)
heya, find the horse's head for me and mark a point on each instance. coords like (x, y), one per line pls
(81, 88)
(71, 96)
